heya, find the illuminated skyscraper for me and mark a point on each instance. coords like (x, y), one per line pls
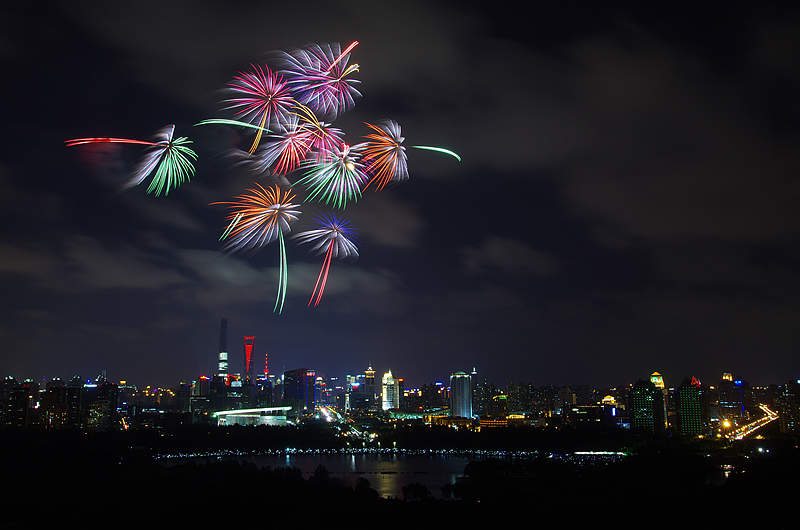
(658, 381)
(731, 398)
(222, 359)
(788, 404)
(298, 391)
(371, 386)
(646, 408)
(690, 417)
(391, 392)
(460, 395)
(54, 405)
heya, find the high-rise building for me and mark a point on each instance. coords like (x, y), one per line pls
(788, 404)
(565, 399)
(99, 405)
(249, 342)
(689, 410)
(390, 392)
(481, 395)
(731, 398)
(646, 409)
(498, 407)
(658, 381)
(74, 412)
(200, 400)
(222, 357)
(183, 396)
(460, 395)
(54, 405)
(371, 386)
(298, 391)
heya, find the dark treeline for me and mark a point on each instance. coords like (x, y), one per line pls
(112, 477)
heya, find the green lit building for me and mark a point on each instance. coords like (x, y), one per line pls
(646, 410)
(690, 416)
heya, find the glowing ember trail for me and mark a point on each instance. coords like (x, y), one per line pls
(438, 150)
(337, 237)
(345, 52)
(84, 141)
(221, 121)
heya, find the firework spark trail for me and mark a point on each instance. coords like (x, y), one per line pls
(345, 52)
(337, 236)
(220, 121)
(384, 155)
(438, 150)
(231, 226)
(283, 277)
(260, 95)
(337, 179)
(84, 141)
(257, 218)
(323, 274)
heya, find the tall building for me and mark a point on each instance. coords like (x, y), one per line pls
(481, 395)
(371, 386)
(183, 396)
(565, 399)
(658, 381)
(646, 409)
(731, 398)
(689, 410)
(54, 405)
(498, 407)
(74, 401)
(788, 404)
(460, 395)
(249, 342)
(298, 391)
(390, 392)
(222, 358)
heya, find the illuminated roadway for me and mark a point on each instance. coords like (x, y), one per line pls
(750, 428)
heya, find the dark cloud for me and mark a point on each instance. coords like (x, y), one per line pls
(508, 256)
(626, 199)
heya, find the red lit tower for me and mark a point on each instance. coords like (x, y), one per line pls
(248, 353)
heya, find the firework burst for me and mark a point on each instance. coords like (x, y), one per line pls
(384, 156)
(337, 178)
(172, 159)
(286, 150)
(333, 238)
(259, 96)
(258, 217)
(319, 77)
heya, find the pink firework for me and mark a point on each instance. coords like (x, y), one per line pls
(260, 97)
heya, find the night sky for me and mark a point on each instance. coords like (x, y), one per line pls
(627, 202)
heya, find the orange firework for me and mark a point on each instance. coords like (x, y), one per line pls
(384, 155)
